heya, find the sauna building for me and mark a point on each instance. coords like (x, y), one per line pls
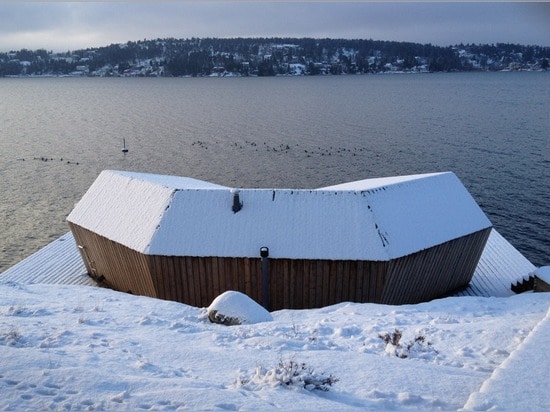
(393, 240)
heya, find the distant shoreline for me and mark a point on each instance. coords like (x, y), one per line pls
(271, 57)
(233, 75)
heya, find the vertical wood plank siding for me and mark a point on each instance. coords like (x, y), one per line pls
(293, 284)
(434, 272)
(124, 269)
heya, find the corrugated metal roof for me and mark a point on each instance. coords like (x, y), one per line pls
(500, 265)
(57, 263)
(60, 263)
(376, 220)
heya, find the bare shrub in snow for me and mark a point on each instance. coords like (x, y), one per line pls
(394, 346)
(288, 374)
(10, 337)
(392, 338)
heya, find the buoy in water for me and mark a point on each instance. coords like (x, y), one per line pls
(124, 148)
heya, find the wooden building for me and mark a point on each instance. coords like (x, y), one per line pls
(541, 281)
(390, 240)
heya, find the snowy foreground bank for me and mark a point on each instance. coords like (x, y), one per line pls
(85, 348)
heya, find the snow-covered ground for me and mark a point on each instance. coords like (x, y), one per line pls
(85, 348)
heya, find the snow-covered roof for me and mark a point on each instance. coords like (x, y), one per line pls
(375, 219)
(378, 182)
(58, 263)
(501, 265)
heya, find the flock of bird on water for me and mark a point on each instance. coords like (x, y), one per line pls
(281, 148)
(285, 148)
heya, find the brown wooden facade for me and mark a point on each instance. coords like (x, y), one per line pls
(293, 284)
(540, 285)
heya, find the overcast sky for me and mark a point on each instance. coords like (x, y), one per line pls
(62, 26)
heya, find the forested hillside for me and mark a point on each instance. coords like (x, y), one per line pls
(270, 57)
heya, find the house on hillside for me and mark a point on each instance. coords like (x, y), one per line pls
(390, 240)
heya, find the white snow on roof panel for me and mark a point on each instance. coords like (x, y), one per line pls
(167, 215)
(420, 213)
(291, 223)
(123, 209)
(174, 182)
(378, 224)
(375, 183)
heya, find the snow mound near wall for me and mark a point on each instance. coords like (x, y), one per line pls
(235, 308)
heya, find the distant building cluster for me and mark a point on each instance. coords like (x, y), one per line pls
(270, 57)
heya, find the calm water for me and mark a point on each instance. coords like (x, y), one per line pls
(492, 130)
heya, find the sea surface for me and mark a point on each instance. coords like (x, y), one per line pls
(491, 129)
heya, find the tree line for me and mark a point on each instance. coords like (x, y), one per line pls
(271, 56)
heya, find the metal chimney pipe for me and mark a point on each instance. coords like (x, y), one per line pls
(237, 204)
(264, 253)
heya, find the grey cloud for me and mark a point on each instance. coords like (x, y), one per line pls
(78, 24)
